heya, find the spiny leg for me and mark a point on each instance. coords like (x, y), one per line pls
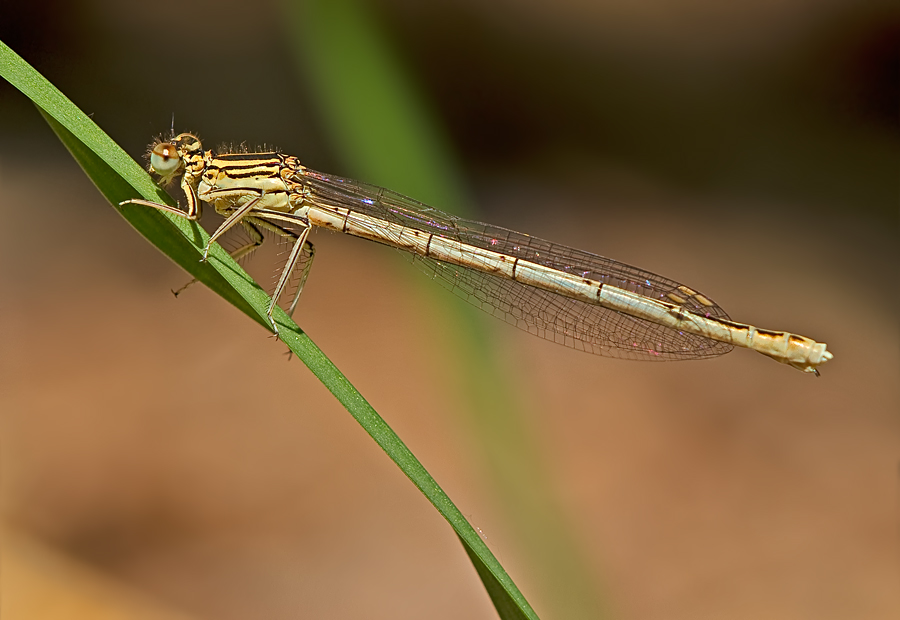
(193, 204)
(162, 207)
(296, 251)
(192, 214)
(256, 240)
(193, 217)
(230, 221)
(306, 269)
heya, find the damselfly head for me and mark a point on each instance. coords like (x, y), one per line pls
(164, 159)
(167, 159)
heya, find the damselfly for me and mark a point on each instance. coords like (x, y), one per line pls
(572, 297)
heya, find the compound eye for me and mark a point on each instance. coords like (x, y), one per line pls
(164, 159)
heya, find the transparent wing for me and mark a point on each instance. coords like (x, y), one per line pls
(567, 321)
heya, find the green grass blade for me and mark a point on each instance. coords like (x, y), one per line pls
(119, 178)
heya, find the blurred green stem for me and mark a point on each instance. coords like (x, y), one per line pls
(383, 130)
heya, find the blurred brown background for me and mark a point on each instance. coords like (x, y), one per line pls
(747, 149)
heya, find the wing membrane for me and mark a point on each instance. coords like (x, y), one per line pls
(567, 321)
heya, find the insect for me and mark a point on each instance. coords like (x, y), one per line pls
(569, 296)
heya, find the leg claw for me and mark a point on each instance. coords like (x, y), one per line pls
(276, 335)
